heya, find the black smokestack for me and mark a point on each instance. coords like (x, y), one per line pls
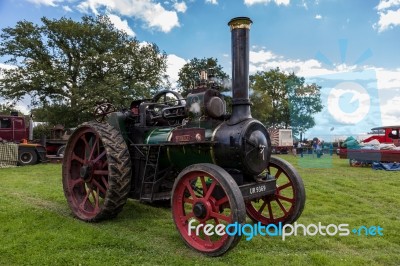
(240, 30)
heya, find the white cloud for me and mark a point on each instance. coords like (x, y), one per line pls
(6, 66)
(261, 56)
(388, 20)
(180, 7)
(388, 79)
(67, 8)
(318, 16)
(304, 4)
(389, 15)
(213, 2)
(153, 14)
(262, 60)
(390, 111)
(23, 108)
(45, 2)
(121, 24)
(385, 4)
(174, 64)
(278, 2)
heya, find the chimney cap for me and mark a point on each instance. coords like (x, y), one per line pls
(240, 23)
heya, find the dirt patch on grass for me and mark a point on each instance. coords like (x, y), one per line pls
(40, 203)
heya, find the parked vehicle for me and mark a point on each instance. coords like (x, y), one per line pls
(281, 140)
(214, 167)
(14, 129)
(385, 149)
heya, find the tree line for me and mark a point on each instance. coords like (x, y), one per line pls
(67, 67)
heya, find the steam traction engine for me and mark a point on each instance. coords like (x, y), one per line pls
(214, 167)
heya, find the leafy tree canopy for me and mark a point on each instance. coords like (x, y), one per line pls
(283, 100)
(6, 109)
(189, 74)
(72, 65)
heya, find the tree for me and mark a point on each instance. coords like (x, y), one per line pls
(6, 109)
(269, 97)
(283, 100)
(74, 65)
(304, 102)
(189, 74)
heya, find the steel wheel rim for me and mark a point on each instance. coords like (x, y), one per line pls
(87, 174)
(276, 208)
(186, 197)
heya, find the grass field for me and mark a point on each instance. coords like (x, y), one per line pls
(37, 227)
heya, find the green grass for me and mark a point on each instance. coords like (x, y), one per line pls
(37, 227)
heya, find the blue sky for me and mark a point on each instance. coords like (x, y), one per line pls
(329, 42)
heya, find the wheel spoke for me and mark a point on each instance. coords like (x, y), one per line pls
(203, 184)
(271, 215)
(209, 243)
(105, 181)
(93, 148)
(222, 200)
(95, 198)
(99, 156)
(188, 200)
(99, 187)
(285, 198)
(85, 199)
(210, 190)
(101, 172)
(104, 165)
(73, 182)
(288, 184)
(188, 216)
(190, 189)
(221, 216)
(281, 206)
(87, 146)
(277, 175)
(77, 158)
(262, 207)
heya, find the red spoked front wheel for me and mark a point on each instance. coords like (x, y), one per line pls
(287, 204)
(205, 200)
(96, 172)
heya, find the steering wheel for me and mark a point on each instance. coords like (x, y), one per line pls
(171, 100)
(165, 99)
(103, 111)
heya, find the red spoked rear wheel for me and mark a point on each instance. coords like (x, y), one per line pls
(96, 172)
(206, 196)
(287, 204)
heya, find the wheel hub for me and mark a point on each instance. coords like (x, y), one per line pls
(86, 172)
(199, 210)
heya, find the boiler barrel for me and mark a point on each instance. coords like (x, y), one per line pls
(181, 155)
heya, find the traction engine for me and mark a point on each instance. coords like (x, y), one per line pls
(213, 167)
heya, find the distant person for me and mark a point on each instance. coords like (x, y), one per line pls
(319, 149)
(314, 147)
(300, 149)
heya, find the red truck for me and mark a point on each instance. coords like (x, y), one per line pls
(385, 135)
(13, 129)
